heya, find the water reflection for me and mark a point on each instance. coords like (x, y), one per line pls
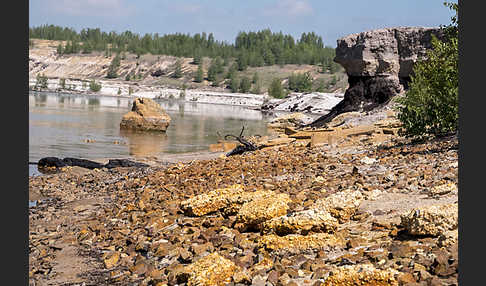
(144, 143)
(59, 125)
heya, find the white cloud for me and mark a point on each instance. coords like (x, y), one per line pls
(289, 8)
(105, 8)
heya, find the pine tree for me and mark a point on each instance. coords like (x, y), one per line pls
(199, 73)
(59, 49)
(177, 69)
(231, 71)
(255, 78)
(234, 83)
(212, 72)
(245, 84)
(276, 90)
(112, 69)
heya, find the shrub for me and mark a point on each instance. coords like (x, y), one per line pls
(300, 82)
(62, 83)
(430, 107)
(41, 81)
(234, 84)
(199, 73)
(245, 84)
(177, 69)
(112, 69)
(94, 86)
(276, 90)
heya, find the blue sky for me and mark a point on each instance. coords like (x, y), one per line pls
(225, 18)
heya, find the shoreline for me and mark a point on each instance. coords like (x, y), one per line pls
(310, 103)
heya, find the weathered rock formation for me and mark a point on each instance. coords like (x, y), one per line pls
(378, 64)
(146, 115)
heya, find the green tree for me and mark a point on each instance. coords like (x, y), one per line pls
(333, 67)
(212, 72)
(257, 88)
(245, 84)
(430, 106)
(113, 68)
(242, 61)
(255, 78)
(217, 81)
(321, 86)
(276, 89)
(60, 49)
(197, 59)
(234, 83)
(300, 82)
(177, 69)
(199, 73)
(231, 71)
(218, 65)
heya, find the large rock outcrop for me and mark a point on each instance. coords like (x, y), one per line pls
(146, 115)
(378, 64)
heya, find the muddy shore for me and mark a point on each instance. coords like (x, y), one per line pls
(289, 215)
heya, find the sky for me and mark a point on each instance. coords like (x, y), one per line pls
(330, 19)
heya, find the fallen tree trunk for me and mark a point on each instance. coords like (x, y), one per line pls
(88, 164)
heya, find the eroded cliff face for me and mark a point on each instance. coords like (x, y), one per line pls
(378, 64)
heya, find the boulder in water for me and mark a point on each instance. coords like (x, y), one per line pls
(146, 115)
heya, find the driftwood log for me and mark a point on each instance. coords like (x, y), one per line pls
(246, 146)
(88, 164)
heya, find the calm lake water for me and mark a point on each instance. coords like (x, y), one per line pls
(61, 124)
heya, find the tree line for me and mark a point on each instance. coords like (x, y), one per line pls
(250, 48)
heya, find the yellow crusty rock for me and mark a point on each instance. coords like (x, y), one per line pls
(296, 243)
(312, 220)
(212, 269)
(431, 220)
(229, 200)
(257, 211)
(212, 201)
(341, 205)
(362, 275)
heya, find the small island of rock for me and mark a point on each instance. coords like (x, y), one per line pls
(146, 115)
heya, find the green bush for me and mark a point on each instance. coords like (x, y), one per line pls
(245, 84)
(199, 73)
(276, 90)
(300, 82)
(234, 84)
(112, 69)
(430, 106)
(62, 83)
(94, 86)
(41, 81)
(177, 69)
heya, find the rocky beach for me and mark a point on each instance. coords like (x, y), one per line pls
(385, 213)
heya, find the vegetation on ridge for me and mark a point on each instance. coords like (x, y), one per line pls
(254, 49)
